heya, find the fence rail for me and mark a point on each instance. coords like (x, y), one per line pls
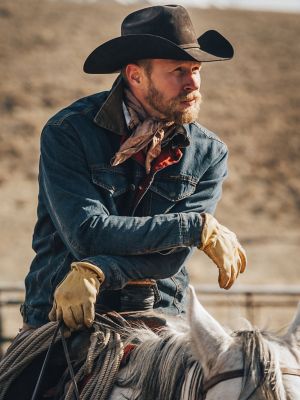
(247, 296)
(250, 297)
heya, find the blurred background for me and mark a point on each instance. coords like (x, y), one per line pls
(251, 102)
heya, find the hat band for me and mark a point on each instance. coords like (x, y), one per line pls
(189, 46)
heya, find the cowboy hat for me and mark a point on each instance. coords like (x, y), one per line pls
(157, 32)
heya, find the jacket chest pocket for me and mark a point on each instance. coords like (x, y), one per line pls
(114, 186)
(167, 190)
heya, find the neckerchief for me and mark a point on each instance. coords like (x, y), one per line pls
(148, 133)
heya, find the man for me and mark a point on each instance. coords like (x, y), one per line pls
(129, 181)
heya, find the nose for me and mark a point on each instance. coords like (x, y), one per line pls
(193, 81)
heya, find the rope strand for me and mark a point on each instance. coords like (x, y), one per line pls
(100, 367)
(23, 353)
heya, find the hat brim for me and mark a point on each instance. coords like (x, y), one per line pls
(111, 56)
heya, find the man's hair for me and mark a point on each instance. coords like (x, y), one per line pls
(146, 64)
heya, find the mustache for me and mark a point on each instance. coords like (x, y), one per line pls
(190, 96)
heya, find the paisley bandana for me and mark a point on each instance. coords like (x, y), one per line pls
(148, 133)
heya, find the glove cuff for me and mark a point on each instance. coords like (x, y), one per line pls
(88, 266)
(208, 228)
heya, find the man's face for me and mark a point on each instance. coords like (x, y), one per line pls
(172, 90)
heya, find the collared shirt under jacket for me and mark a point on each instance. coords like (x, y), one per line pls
(131, 225)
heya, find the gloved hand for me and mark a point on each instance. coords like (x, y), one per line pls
(222, 246)
(75, 296)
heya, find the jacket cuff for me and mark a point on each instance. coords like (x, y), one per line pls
(191, 225)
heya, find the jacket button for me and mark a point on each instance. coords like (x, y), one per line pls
(132, 187)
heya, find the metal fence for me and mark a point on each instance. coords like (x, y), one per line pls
(250, 298)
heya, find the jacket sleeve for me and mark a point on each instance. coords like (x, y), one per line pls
(79, 213)
(119, 270)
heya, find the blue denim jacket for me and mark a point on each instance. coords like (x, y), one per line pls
(84, 206)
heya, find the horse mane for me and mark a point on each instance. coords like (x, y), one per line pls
(160, 364)
(261, 365)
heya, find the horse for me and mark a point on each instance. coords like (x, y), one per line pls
(200, 360)
(194, 359)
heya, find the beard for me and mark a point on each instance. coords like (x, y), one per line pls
(170, 108)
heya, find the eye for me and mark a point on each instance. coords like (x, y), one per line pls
(179, 71)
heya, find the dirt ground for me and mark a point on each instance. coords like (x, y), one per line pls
(251, 102)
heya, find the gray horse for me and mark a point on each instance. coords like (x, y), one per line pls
(200, 360)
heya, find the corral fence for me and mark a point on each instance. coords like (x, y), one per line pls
(249, 298)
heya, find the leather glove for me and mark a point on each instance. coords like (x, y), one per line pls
(222, 246)
(75, 296)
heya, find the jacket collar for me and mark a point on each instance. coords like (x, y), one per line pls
(110, 115)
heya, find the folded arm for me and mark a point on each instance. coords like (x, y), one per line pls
(79, 213)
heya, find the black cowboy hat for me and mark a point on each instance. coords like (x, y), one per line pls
(157, 32)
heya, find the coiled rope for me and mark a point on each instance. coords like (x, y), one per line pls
(23, 353)
(100, 367)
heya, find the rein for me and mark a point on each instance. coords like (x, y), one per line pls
(224, 376)
(67, 355)
(239, 373)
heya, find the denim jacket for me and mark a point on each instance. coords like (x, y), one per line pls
(85, 205)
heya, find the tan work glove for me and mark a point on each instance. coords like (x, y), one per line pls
(75, 296)
(222, 246)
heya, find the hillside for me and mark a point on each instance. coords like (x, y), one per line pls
(252, 103)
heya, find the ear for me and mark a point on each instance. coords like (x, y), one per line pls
(293, 333)
(208, 336)
(134, 74)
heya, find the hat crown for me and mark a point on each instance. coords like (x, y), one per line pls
(171, 22)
